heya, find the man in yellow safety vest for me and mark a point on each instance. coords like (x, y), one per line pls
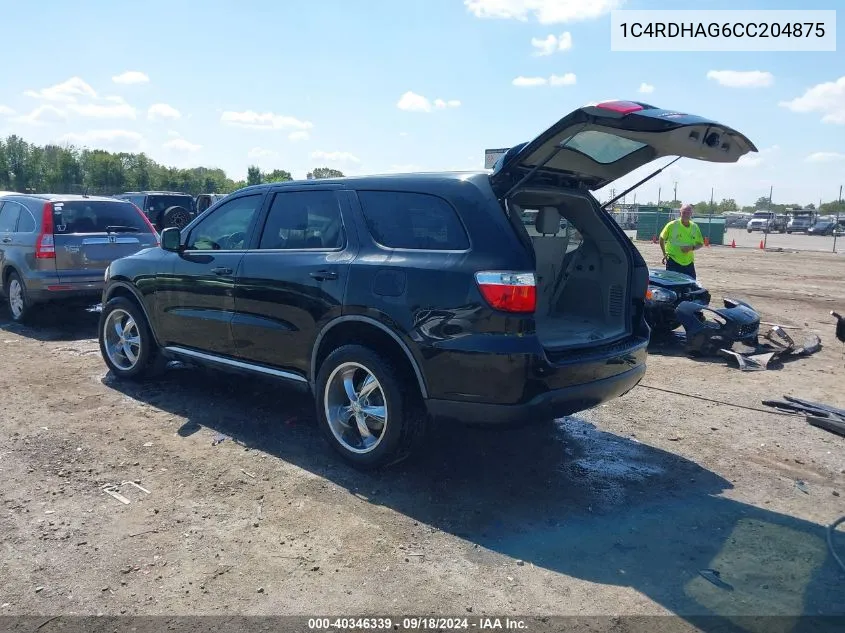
(679, 240)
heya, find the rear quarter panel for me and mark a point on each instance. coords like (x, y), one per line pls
(430, 299)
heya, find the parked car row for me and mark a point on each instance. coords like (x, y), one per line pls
(493, 298)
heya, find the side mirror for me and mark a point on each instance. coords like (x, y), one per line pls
(171, 239)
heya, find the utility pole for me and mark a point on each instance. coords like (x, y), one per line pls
(768, 222)
(676, 192)
(836, 226)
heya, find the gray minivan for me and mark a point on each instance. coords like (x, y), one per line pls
(56, 248)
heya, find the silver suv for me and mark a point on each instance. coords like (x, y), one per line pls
(56, 248)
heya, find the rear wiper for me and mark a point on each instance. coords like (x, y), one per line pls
(122, 229)
(644, 180)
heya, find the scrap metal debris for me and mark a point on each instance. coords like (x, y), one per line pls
(779, 344)
(112, 490)
(817, 414)
(709, 330)
(716, 578)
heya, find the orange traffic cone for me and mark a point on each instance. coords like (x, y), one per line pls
(707, 241)
(654, 239)
(733, 243)
(761, 245)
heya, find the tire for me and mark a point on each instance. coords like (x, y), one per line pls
(749, 230)
(175, 216)
(149, 361)
(404, 414)
(17, 299)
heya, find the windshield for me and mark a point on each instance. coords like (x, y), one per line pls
(96, 216)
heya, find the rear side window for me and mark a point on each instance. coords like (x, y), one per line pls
(97, 216)
(303, 219)
(412, 220)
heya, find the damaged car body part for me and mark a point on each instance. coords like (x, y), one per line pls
(711, 329)
(397, 298)
(666, 290)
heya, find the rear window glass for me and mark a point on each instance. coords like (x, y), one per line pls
(603, 147)
(96, 216)
(412, 220)
(162, 203)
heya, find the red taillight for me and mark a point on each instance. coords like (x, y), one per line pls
(147, 220)
(508, 291)
(623, 107)
(45, 246)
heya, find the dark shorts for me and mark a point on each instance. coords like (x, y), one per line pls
(674, 266)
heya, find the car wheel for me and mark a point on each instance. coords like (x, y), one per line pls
(126, 341)
(368, 413)
(17, 299)
(749, 230)
(175, 216)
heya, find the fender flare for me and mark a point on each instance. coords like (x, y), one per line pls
(381, 326)
(109, 294)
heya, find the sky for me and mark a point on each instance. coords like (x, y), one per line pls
(374, 86)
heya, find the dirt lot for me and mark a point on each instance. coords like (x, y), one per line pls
(615, 511)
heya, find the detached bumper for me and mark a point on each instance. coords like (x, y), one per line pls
(549, 405)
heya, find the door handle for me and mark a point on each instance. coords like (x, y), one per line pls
(222, 271)
(323, 275)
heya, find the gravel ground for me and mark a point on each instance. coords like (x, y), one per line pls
(615, 511)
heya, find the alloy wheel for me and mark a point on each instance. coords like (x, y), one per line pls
(356, 408)
(122, 339)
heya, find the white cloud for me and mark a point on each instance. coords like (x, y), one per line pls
(568, 79)
(753, 159)
(264, 121)
(182, 145)
(159, 111)
(131, 77)
(67, 91)
(440, 104)
(742, 78)
(551, 44)
(529, 82)
(403, 134)
(299, 135)
(824, 157)
(645, 88)
(261, 152)
(115, 140)
(115, 99)
(544, 11)
(173, 133)
(6, 110)
(827, 98)
(413, 102)
(43, 114)
(339, 157)
(97, 111)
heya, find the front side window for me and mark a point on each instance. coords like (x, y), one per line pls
(227, 228)
(303, 219)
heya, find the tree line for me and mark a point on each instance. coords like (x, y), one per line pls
(30, 168)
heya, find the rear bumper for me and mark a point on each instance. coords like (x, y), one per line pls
(550, 405)
(55, 290)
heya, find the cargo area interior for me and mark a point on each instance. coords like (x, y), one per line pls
(582, 269)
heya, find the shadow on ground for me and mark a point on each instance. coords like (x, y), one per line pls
(566, 497)
(55, 323)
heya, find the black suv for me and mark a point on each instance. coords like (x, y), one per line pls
(163, 208)
(403, 297)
